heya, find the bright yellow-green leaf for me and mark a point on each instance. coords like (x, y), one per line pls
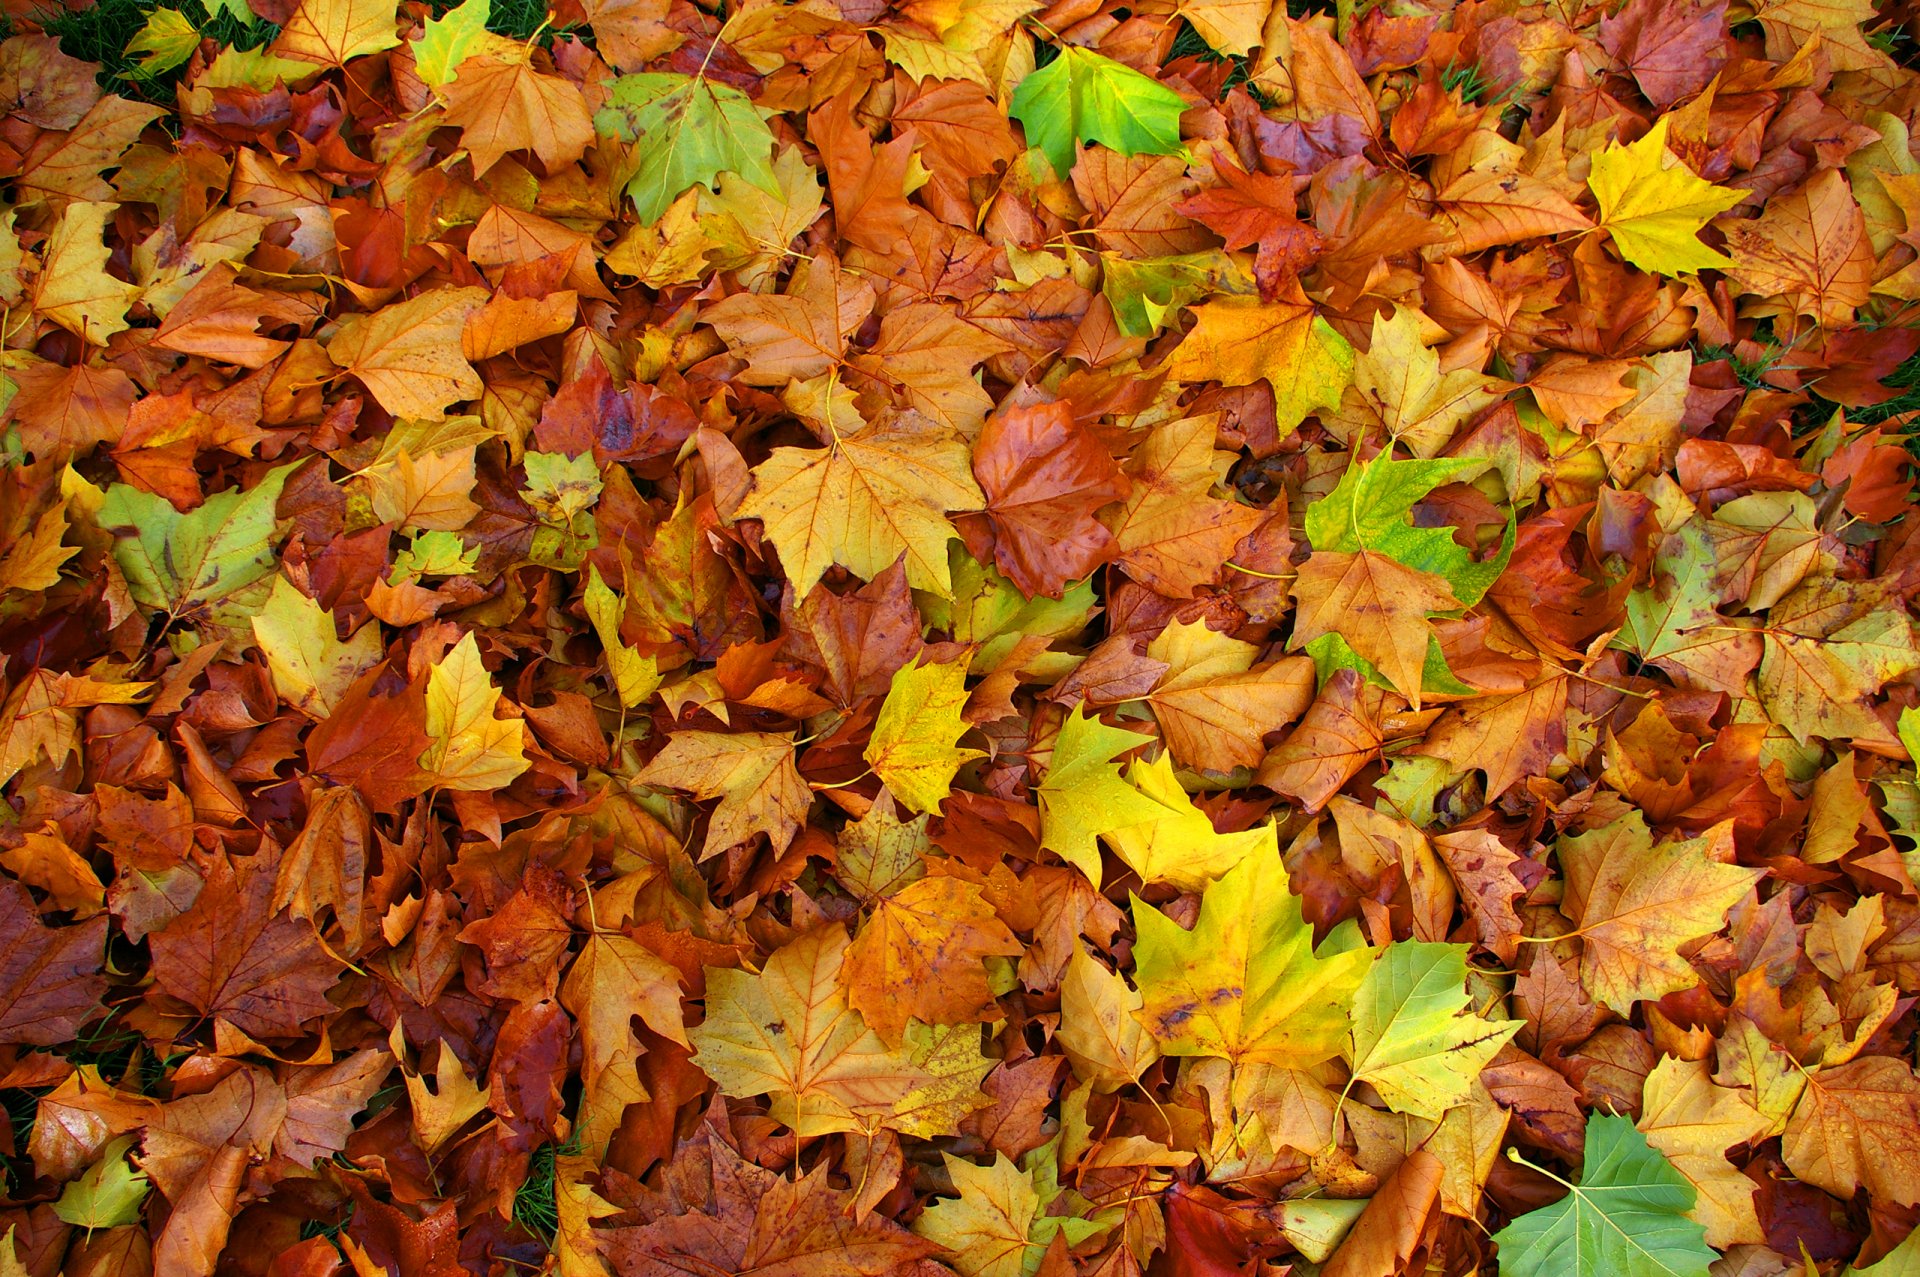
(471, 748)
(561, 488)
(311, 667)
(1245, 983)
(635, 677)
(1414, 1039)
(458, 34)
(1083, 796)
(175, 562)
(998, 1225)
(1182, 847)
(108, 1194)
(166, 41)
(913, 749)
(1654, 205)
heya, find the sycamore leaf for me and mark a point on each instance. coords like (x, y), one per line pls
(1371, 509)
(334, 32)
(752, 774)
(408, 353)
(691, 131)
(1081, 97)
(177, 562)
(1245, 984)
(864, 500)
(922, 956)
(789, 1033)
(503, 104)
(1083, 796)
(913, 749)
(74, 289)
(108, 1194)
(1636, 904)
(998, 1225)
(470, 749)
(312, 669)
(1181, 846)
(1414, 1039)
(1238, 342)
(611, 981)
(1627, 1217)
(1654, 205)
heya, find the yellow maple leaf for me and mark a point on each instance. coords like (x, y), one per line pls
(470, 749)
(1636, 904)
(1399, 393)
(1694, 1122)
(612, 980)
(334, 32)
(913, 748)
(751, 773)
(1654, 205)
(865, 500)
(1182, 848)
(1245, 983)
(506, 105)
(311, 667)
(790, 1034)
(74, 289)
(408, 354)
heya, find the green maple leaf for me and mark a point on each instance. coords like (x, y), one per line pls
(108, 1194)
(1371, 508)
(1081, 97)
(1083, 795)
(446, 41)
(690, 131)
(1245, 984)
(1627, 1217)
(175, 561)
(1414, 1040)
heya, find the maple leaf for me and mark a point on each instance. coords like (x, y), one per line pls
(334, 32)
(1100, 1026)
(1694, 1122)
(1238, 342)
(232, 956)
(913, 747)
(468, 747)
(752, 774)
(1808, 253)
(823, 1068)
(1172, 534)
(1081, 97)
(1654, 206)
(1378, 605)
(108, 1194)
(503, 105)
(408, 354)
(713, 1210)
(1855, 1125)
(50, 977)
(921, 955)
(1083, 796)
(74, 289)
(1180, 845)
(312, 669)
(177, 562)
(1413, 1039)
(1399, 394)
(1636, 904)
(1627, 1214)
(997, 1225)
(864, 500)
(1245, 984)
(611, 981)
(693, 130)
(1044, 476)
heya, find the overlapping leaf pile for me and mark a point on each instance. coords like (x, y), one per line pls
(877, 638)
